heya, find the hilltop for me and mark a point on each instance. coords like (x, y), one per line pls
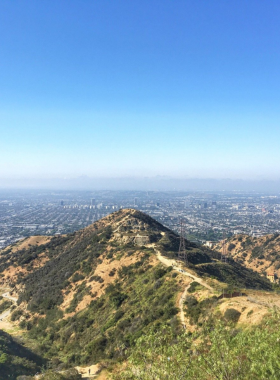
(261, 254)
(55, 263)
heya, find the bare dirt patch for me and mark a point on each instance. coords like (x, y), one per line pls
(32, 240)
(251, 312)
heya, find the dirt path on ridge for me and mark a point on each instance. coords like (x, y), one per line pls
(4, 324)
(84, 371)
(7, 295)
(174, 264)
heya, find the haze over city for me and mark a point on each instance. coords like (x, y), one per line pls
(120, 90)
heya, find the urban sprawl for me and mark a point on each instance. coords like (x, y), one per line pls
(206, 216)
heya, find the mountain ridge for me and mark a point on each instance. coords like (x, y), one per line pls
(96, 291)
(74, 254)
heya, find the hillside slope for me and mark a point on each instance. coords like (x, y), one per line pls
(89, 295)
(260, 254)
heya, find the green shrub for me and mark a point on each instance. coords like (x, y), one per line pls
(160, 272)
(112, 272)
(250, 313)
(5, 305)
(191, 301)
(232, 315)
(110, 255)
(16, 314)
(77, 277)
(97, 279)
(96, 348)
(194, 287)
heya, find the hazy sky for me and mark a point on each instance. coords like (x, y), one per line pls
(140, 88)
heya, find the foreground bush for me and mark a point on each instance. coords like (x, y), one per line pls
(221, 353)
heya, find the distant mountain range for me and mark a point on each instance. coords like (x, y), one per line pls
(156, 183)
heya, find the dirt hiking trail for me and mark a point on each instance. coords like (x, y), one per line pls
(175, 266)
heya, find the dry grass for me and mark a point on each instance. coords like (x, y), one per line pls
(32, 240)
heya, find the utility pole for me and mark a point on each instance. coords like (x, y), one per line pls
(224, 256)
(182, 248)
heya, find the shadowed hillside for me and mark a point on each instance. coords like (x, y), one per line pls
(15, 359)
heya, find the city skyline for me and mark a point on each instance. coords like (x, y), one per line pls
(206, 215)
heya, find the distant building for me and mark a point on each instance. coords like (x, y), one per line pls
(272, 277)
(238, 232)
(92, 202)
(256, 233)
(61, 203)
(187, 204)
(210, 244)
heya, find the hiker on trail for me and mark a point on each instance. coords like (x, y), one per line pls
(89, 371)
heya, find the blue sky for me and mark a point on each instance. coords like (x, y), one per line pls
(140, 88)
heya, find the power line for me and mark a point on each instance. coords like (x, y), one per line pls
(224, 255)
(182, 254)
